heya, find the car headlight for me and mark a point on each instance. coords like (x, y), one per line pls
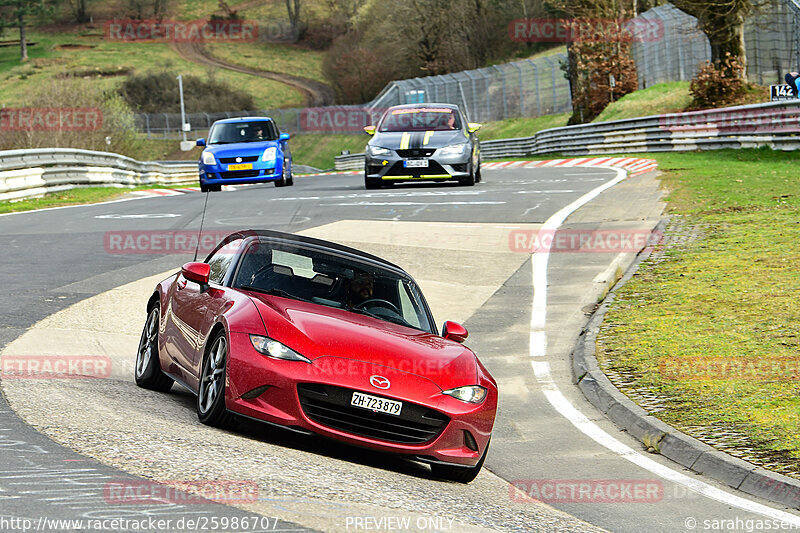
(453, 149)
(469, 394)
(270, 154)
(276, 350)
(378, 151)
(208, 159)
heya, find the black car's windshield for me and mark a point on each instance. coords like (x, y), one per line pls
(333, 280)
(240, 132)
(420, 119)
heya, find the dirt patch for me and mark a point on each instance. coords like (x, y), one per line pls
(74, 46)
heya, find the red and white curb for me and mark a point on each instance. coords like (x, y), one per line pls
(634, 165)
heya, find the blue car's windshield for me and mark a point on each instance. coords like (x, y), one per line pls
(242, 132)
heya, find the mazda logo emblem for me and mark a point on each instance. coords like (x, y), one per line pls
(238, 159)
(379, 382)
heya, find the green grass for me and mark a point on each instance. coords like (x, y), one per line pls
(82, 195)
(319, 150)
(520, 127)
(732, 293)
(662, 98)
(17, 80)
(286, 59)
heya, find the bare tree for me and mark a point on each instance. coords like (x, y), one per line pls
(293, 8)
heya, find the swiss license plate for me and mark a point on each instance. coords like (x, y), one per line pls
(243, 166)
(373, 403)
(415, 163)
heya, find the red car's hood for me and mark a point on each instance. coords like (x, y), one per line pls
(316, 331)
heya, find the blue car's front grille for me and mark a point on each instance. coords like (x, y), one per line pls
(244, 159)
(240, 174)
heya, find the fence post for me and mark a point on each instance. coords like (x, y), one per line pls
(488, 97)
(536, 85)
(553, 72)
(147, 124)
(474, 90)
(521, 90)
(166, 125)
(505, 100)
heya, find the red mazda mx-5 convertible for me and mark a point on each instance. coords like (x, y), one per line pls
(318, 337)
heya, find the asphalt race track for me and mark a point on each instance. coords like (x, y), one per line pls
(73, 287)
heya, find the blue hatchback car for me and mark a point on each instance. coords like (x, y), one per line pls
(245, 150)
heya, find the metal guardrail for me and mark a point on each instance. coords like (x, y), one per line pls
(773, 124)
(25, 173)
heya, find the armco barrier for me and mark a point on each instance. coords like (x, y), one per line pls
(774, 124)
(25, 173)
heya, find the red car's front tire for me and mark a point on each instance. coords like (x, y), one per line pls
(211, 408)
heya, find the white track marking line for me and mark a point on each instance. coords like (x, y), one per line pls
(541, 371)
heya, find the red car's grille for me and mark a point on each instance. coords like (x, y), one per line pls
(330, 406)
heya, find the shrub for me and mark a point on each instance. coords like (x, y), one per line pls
(116, 131)
(718, 84)
(157, 92)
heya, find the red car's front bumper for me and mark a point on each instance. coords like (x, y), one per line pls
(460, 438)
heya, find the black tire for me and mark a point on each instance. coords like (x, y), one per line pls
(468, 180)
(288, 178)
(372, 183)
(211, 408)
(203, 188)
(459, 474)
(147, 371)
(478, 175)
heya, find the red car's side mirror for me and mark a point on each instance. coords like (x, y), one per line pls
(197, 272)
(454, 331)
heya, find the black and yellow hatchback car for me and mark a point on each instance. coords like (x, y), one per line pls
(422, 142)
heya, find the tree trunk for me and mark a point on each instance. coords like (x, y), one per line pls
(80, 14)
(294, 17)
(23, 43)
(727, 38)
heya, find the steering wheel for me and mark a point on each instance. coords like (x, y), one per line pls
(382, 303)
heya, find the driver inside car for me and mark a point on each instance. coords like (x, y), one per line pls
(360, 288)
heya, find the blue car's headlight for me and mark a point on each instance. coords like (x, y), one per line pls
(208, 159)
(453, 149)
(276, 350)
(270, 154)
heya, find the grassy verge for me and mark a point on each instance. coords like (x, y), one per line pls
(83, 195)
(726, 292)
(57, 54)
(284, 58)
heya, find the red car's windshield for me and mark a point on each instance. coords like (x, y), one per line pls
(420, 119)
(312, 275)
